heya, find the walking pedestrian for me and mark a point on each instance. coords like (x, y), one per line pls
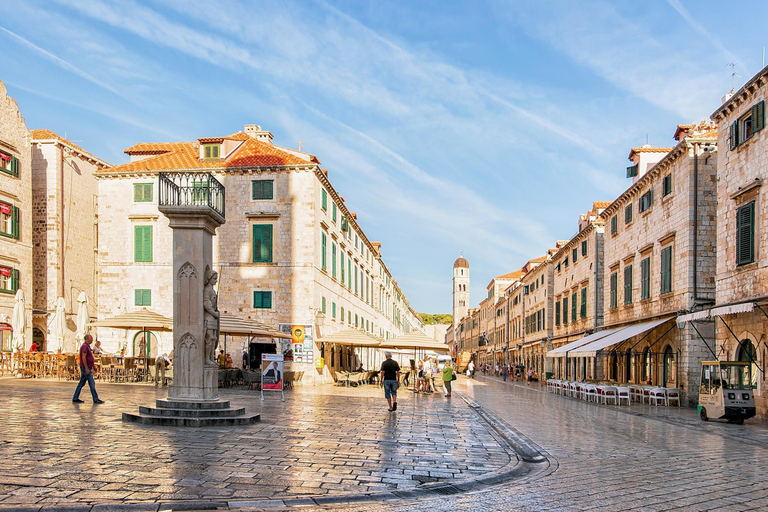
(390, 372)
(447, 378)
(471, 369)
(504, 373)
(86, 372)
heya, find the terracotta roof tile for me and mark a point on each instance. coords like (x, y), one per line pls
(651, 149)
(517, 274)
(186, 155)
(48, 135)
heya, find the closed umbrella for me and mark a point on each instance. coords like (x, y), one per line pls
(18, 321)
(82, 316)
(57, 324)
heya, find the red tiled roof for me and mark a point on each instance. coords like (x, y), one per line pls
(186, 155)
(48, 135)
(517, 274)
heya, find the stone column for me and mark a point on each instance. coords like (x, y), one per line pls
(194, 377)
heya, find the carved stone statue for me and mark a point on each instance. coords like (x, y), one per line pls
(210, 305)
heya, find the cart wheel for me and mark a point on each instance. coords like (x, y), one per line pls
(739, 421)
(703, 414)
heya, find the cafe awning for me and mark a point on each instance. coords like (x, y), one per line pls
(235, 326)
(141, 320)
(620, 335)
(732, 309)
(569, 347)
(350, 337)
(416, 340)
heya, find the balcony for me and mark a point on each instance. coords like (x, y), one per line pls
(190, 190)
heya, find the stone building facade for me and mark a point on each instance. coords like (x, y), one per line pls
(290, 253)
(741, 315)
(532, 314)
(64, 231)
(15, 220)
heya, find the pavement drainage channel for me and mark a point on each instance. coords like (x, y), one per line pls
(526, 460)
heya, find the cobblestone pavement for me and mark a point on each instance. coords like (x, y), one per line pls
(609, 459)
(324, 441)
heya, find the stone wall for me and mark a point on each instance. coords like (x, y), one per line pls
(16, 191)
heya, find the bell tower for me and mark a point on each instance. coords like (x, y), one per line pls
(460, 289)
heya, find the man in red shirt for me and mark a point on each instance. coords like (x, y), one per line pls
(86, 371)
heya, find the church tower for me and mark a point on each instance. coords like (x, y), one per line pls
(460, 289)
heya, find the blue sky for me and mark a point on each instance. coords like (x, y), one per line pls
(481, 127)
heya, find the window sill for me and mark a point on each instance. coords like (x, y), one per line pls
(666, 294)
(746, 267)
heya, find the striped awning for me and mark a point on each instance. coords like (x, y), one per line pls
(746, 307)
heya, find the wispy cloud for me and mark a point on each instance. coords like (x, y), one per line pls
(61, 62)
(698, 27)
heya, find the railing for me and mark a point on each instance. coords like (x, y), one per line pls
(191, 189)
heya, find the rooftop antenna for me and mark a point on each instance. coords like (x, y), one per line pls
(299, 145)
(763, 56)
(733, 75)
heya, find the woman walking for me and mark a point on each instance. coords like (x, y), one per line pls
(447, 378)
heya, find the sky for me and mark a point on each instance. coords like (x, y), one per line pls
(481, 128)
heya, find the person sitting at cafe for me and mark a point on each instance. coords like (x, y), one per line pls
(33, 348)
(222, 359)
(97, 348)
(229, 361)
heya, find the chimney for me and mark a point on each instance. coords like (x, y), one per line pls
(255, 131)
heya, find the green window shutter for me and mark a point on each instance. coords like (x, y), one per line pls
(262, 243)
(745, 234)
(583, 303)
(333, 259)
(349, 273)
(15, 278)
(324, 199)
(628, 284)
(557, 313)
(614, 291)
(645, 279)
(262, 300)
(137, 299)
(666, 270)
(142, 192)
(324, 257)
(575, 254)
(262, 189)
(148, 243)
(343, 272)
(333, 209)
(15, 166)
(142, 239)
(565, 310)
(15, 222)
(323, 305)
(614, 224)
(574, 306)
(584, 248)
(758, 116)
(733, 135)
(628, 214)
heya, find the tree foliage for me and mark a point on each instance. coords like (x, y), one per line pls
(436, 319)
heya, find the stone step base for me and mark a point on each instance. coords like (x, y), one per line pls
(192, 413)
(183, 421)
(170, 403)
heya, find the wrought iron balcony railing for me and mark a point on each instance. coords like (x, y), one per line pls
(191, 189)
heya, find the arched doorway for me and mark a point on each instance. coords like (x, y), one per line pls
(647, 364)
(747, 353)
(668, 368)
(38, 336)
(145, 344)
(614, 366)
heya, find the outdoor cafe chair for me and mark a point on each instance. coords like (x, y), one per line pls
(673, 394)
(573, 389)
(636, 393)
(657, 394)
(609, 393)
(589, 393)
(622, 393)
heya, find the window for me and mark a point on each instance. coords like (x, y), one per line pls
(746, 126)
(557, 313)
(349, 272)
(262, 189)
(628, 284)
(333, 310)
(333, 212)
(666, 185)
(9, 280)
(324, 200)
(324, 249)
(614, 225)
(631, 171)
(10, 217)
(614, 290)
(262, 243)
(666, 269)
(344, 224)
(646, 200)
(342, 314)
(211, 151)
(142, 192)
(575, 254)
(584, 302)
(9, 164)
(142, 243)
(628, 214)
(356, 280)
(565, 310)
(142, 297)
(645, 279)
(356, 320)
(322, 305)
(745, 234)
(341, 253)
(333, 259)
(584, 248)
(574, 305)
(262, 300)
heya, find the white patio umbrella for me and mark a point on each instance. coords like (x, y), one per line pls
(18, 321)
(82, 316)
(57, 324)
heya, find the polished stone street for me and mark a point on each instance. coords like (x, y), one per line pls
(505, 447)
